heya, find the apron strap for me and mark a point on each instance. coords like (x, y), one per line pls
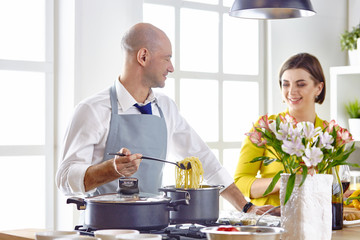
(113, 100)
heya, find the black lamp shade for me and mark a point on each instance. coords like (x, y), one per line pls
(271, 9)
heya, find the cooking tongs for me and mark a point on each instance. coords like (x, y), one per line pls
(181, 165)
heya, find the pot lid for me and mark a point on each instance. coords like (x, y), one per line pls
(201, 188)
(141, 198)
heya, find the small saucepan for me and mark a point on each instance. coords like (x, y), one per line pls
(203, 205)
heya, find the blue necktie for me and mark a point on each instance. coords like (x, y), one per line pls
(146, 109)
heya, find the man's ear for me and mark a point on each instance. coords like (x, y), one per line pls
(142, 56)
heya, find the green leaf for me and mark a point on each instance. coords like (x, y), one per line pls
(278, 121)
(304, 174)
(273, 183)
(257, 159)
(268, 161)
(353, 109)
(289, 187)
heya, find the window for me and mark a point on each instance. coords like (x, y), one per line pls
(26, 103)
(217, 60)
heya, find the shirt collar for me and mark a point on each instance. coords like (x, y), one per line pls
(125, 99)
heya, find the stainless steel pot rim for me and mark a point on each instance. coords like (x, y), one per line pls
(201, 188)
(246, 230)
(143, 198)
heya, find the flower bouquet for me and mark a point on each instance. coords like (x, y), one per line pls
(301, 148)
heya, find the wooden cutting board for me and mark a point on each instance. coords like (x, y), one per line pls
(19, 234)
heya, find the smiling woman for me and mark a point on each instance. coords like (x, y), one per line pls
(302, 84)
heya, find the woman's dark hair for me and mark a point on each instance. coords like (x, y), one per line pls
(310, 64)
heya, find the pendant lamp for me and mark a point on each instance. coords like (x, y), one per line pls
(271, 9)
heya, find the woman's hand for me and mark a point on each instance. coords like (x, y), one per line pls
(259, 210)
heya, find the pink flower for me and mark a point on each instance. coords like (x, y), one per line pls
(343, 136)
(255, 137)
(330, 125)
(288, 119)
(264, 122)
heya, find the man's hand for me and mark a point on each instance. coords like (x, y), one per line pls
(107, 171)
(127, 165)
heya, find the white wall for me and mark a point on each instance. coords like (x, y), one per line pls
(88, 35)
(354, 13)
(318, 35)
(100, 25)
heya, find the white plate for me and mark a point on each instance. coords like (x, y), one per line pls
(351, 223)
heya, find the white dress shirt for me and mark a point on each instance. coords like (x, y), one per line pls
(86, 136)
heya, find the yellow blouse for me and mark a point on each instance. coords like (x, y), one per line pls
(246, 172)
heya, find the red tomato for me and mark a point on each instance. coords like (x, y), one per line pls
(228, 229)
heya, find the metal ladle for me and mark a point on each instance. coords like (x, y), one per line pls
(181, 165)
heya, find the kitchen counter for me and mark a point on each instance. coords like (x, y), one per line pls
(19, 234)
(347, 233)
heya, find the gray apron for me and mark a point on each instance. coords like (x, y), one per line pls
(140, 133)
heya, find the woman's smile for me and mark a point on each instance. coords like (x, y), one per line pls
(295, 100)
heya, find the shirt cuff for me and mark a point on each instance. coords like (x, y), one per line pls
(76, 177)
(221, 177)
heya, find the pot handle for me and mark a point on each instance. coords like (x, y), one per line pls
(186, 193)
(174, 206)
(168, 190)
(81, 205)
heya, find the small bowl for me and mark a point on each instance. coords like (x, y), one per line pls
(49, 235)
(244, 233)
(111, 234)
(142, 236)
(78, 238)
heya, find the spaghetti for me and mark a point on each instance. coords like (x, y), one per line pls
(189, 178)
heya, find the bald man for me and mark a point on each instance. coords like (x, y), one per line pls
(130, 118)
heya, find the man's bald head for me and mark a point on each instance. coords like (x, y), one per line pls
(142, 35)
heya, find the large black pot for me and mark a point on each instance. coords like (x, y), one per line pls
(203, 205)
(128, 208)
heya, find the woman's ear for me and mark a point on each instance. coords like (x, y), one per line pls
(320, 86)
(142, 56)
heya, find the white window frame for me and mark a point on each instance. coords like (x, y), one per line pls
(47, 150)
(220, 145)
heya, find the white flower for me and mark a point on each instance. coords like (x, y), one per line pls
(272, 126)
(326, 140)
(294, 146)
(313, 156)
(308, 130)
(296, 132)
(285, 130)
